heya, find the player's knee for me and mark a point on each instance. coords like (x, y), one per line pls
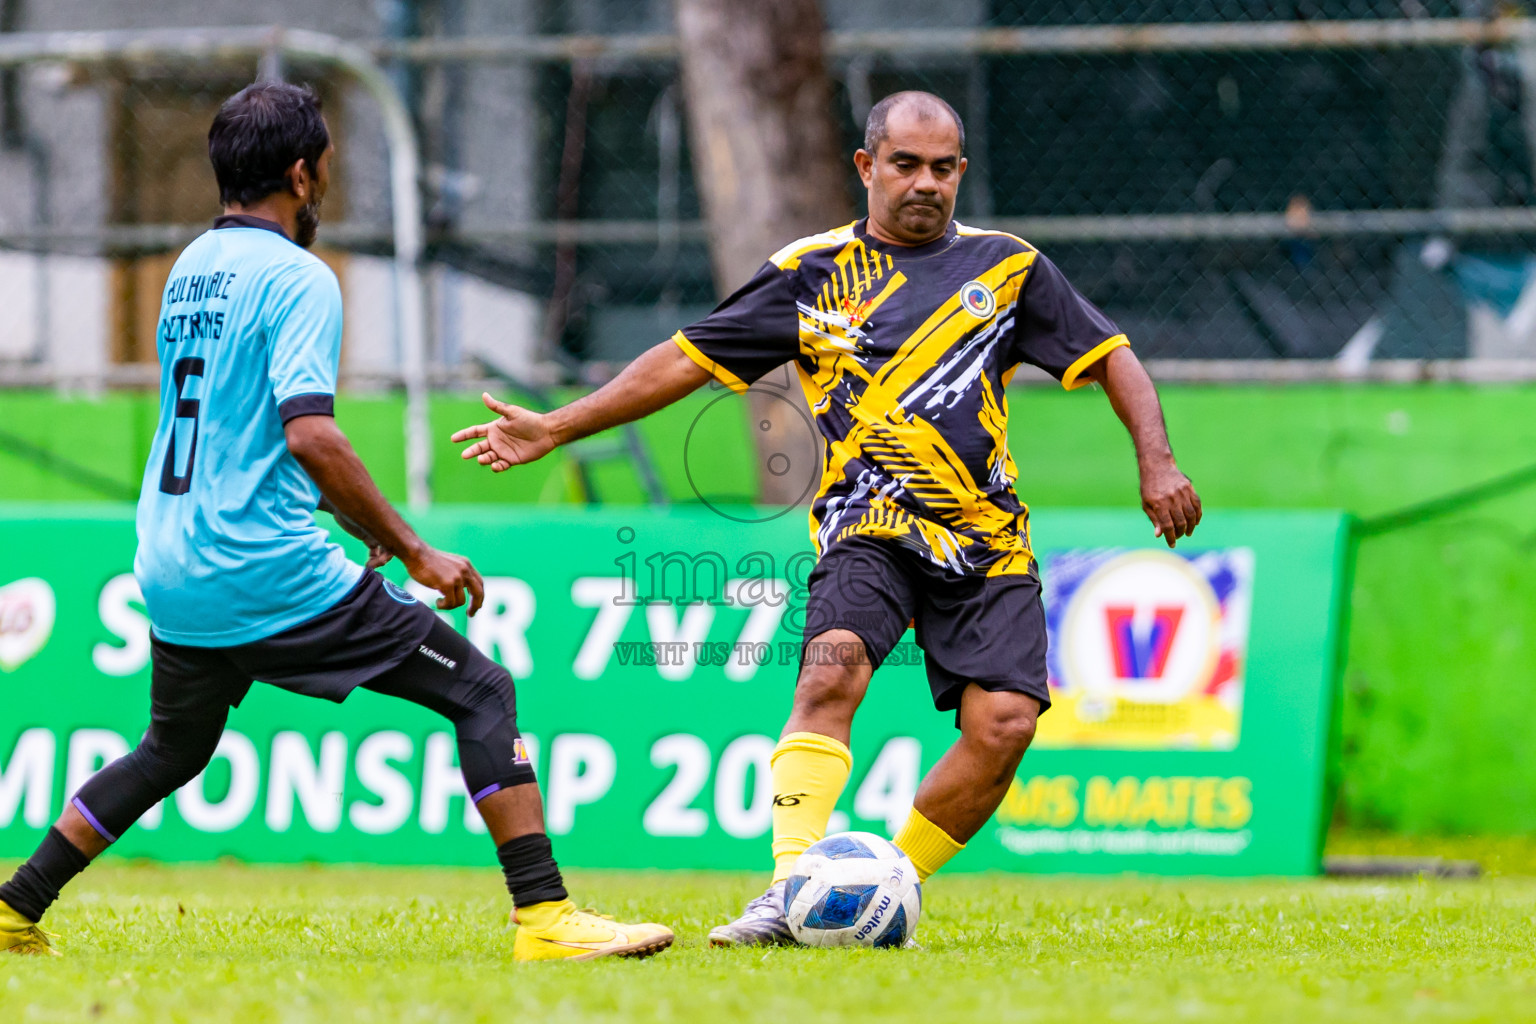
(834, 673)
(485, 719)
(174, 757)
(488, 689)
(1008, 731)
(184, 765)
(831, 687)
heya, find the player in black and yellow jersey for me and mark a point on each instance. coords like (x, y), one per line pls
(905, 328)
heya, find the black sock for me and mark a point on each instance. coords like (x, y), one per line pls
(36, 884)
(532, 874)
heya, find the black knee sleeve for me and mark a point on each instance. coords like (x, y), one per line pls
(450, 676)
(491, 751)
(166, 759)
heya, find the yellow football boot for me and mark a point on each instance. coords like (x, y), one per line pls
(558, 931)
(20, 935)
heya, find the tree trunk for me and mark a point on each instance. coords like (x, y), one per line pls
(769, 166)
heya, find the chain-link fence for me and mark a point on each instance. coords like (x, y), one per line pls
(1229, 194)
(1229, 180)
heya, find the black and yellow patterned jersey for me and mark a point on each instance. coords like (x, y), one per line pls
(904, 354)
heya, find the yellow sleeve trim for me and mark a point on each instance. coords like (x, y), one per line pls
(714, 369)
(1070, 381)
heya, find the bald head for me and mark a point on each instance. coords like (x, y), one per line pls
(921, 106)
(911, 164)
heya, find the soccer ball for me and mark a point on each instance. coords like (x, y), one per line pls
(853, 889)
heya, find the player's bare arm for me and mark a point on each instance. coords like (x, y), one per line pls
(378, 554)
(662, 375)
(327, 456)
(1167, 496)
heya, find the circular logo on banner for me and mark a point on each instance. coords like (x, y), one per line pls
(978, 299)
(27, 609)
(1143, 628)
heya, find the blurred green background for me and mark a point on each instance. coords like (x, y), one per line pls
(1438, 694)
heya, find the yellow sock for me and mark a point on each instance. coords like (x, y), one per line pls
(809, 773)
(925, 844)
(542, 916)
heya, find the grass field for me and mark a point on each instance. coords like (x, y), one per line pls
(235, 944)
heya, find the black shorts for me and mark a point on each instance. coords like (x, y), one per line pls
(987, 630)
(362, 636)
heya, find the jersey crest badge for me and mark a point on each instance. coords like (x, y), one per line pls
(399, 593)
(978, 299)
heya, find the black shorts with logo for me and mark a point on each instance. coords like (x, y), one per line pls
(987, 630)
(365, 634)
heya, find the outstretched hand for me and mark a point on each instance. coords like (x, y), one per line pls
(1170, 501)
(518, 437)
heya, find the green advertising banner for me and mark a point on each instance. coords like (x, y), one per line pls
(656, 653)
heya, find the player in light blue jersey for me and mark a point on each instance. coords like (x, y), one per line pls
(250, 334)
(240, 581)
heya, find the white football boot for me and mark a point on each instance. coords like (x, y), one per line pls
(763, 923)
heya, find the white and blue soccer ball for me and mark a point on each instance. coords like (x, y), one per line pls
(853, 889)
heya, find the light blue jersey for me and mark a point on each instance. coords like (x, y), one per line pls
(249, 337)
